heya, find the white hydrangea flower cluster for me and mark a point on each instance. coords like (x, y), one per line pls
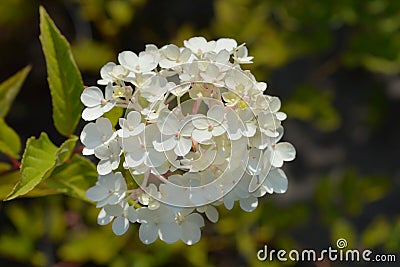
(198, 132)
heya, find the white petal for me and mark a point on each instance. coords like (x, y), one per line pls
(97, 193)
(147, 62)
(195, 218)
(91, 136)
(200, 122)
(172, 51)
(275, 158)
(154, 158)
(92, 113)
(113, 210)
(132, 214)
(104, 126)
(249, 204)
(134, 159)
(134, 118)
(216, 113)
(170, 232)
(277, 180)
(286, 151)
(218, 130)
(102, 152)
(103, 218)
(229, 202)
(92, 96)
(104, 167)
(212, 213)
(183, 146)
(191, 233)
(168, 124)
(164, 143)
(128, 59)
(120, 225)
(225, 43)
(254, 163)
(148, 233)
(201, 135)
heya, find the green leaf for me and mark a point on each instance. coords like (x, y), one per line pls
(114, 115)
(65, 150)
(40, 158)
(10, 88)
(37, 161)
(9, 140)
(74, 177)
(8, 179)
(64, 78)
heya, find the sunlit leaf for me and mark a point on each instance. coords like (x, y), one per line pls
(114, 115)
(376, 233)
(9, 140)
(40, 158)
(64, 78)
(8, 179)
(10, 88)
(74, 177)
(66, 149)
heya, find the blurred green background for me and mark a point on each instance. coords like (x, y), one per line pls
(334, 64)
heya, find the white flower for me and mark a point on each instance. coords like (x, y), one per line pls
(132, 125)
(113, 73)
(278, 153)
(174, 56)
(213, 75)
(190, 224)
(174, 134)
(268, 124)
(147, 197)
(199, 132)
(190, 72)
(199, 45)
(158, 223)
(109, 155)
(275, 181)
(210, 211)
(240, 55)
(140, 149)
(122, 214)
(96, 134)
(110, 189)
(208, 126)
(145, 62)
(225, 43)
(156, 89)
(96, 104)
(199, 160)
(240, 192)
(238, 82)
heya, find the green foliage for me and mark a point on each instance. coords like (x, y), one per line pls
(114, 115)
(63, 76)
(40, 158)
(90, 55)
(310, 104)
(73, 178)
(9, 140)
(10, 88)
(8, 179)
